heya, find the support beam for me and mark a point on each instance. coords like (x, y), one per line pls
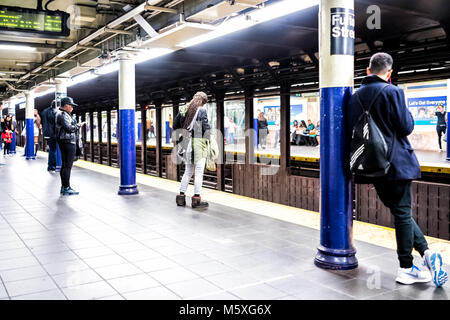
(83, 135)
(220, 115)
(144, 140)
(285, 115)
(91, 135)
(158, 126)
(249, 127)
(127, 141)
(336, 249)
(108, 137)
(29, 120)
(99, 134)
(176, 110)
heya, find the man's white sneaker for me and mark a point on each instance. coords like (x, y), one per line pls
(412, 275)
(434, 262)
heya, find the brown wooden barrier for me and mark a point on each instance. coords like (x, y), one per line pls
(431, 207)
(296, 191)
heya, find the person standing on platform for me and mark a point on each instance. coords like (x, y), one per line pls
(37, 126)
(66, 132)
(441, 126)
(262, 130)
(7, 134)
(194, 119)
(48, 130)
(231, 131)
(386, 104)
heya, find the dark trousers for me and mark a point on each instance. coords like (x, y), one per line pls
(67, 156)
(6, 148)
(51, 142)
(396, 195)
(440, 131)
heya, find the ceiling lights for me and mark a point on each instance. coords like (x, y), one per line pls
(10, 47)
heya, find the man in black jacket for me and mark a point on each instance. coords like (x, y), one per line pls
(48, 129)
(66, 131)
(395, 122)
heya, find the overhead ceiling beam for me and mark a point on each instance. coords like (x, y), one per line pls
(161, 9)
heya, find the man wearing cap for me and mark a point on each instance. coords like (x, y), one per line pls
(66, 132)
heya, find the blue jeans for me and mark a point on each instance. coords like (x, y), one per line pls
(51, 142)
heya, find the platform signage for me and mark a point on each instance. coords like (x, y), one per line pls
(24, 20)
(342, 31)
(423, 109)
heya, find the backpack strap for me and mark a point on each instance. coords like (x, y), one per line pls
(373, 100)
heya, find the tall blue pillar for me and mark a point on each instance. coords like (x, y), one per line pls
(336, 51)
(127, 107)
(29, 122)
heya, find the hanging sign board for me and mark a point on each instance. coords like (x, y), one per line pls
(342, 31)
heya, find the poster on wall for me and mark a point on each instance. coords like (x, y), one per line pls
(423, 109)
(296, 113)
(272, 114)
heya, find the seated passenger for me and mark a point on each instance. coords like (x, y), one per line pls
(310, 130)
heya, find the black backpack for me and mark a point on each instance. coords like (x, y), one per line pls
(369, 156)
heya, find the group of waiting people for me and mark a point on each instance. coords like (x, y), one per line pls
(305, 134)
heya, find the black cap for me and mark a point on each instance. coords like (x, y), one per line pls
(68, 100)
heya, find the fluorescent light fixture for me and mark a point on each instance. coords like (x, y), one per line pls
(151, 54)
(22, 64)
(86, 76)
(16, 48)
(252, 18)
(108, 68)
(43, 93)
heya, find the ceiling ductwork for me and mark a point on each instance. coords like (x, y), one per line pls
(223, 10)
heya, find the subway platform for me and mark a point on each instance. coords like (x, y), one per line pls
(99, 245)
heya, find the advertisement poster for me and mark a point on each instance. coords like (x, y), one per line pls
(296, 113)
(272, 113)
(423, 109)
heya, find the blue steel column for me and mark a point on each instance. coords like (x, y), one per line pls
(127, 143)
(29, 122)
(336, 249)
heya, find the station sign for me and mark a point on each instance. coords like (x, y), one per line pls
(26, 22)
(342, 31)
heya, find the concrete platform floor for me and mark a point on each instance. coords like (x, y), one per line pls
(99, 245)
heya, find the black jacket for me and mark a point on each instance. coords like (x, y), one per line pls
(262, 124)
(48, 122)
(66, 127)
(396, 123)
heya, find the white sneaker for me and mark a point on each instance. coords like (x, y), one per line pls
(413, 275)
(434, 263)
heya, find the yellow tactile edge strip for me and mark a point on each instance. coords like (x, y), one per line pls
(362, 231)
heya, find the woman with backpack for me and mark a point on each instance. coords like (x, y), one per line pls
(193, 146)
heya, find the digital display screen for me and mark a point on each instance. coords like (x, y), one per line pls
(30, 20)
